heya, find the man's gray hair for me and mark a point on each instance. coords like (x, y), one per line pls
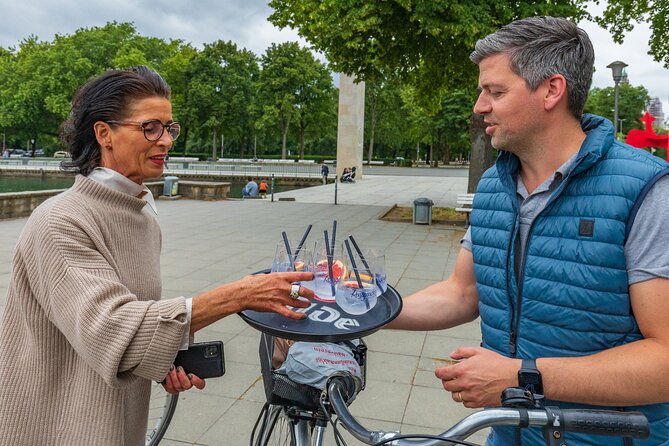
(540, 47)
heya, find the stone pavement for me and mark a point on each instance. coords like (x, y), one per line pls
(385, 190)
(207, 243)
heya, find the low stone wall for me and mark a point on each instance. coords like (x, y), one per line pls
(204, 190)
(21, 204)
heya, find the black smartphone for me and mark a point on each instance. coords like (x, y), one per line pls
(204, 359)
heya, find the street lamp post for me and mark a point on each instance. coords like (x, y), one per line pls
(617, 69)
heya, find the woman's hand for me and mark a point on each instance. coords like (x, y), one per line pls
(178, 381)
(259, 292)
(271, 292)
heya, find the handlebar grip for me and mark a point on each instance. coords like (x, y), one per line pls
(347, 384)
(601, 422)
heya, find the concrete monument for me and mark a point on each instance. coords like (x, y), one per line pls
(350, 125)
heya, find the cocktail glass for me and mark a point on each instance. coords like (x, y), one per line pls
(325, 286)
(302, 262)
(376, 260)
(356, 293)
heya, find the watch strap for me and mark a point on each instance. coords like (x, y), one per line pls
(529, 364)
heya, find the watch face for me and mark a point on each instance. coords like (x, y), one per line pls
(530, 378)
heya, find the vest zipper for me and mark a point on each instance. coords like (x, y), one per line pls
(512, 332)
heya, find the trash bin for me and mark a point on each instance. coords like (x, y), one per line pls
(422, 211)
(171, 186)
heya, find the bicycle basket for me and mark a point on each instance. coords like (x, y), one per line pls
(281, 389)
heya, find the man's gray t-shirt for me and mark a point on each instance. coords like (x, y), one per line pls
(646, 253)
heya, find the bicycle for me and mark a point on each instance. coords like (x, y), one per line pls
(300, 426)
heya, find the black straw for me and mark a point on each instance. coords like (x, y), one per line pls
(334, 235)
(357, 275)
(329, 257)
(362, 258)
(364, 262)
(290, 255)
(304, 237)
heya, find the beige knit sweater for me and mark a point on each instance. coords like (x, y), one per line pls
(84, 330)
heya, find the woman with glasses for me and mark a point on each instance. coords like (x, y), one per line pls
(85, 330)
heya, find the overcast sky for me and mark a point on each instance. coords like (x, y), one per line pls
(245, 23)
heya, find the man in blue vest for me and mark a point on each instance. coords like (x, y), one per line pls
(566, 258)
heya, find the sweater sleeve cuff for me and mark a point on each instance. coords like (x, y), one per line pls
(167, 320)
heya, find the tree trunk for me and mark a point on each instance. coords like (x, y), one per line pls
(447, 153)
(483, 154)
(213, 147)
(284, 135)
(302, 131)
(185, 139)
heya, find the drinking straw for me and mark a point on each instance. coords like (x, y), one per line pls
(334, 235)
(357, 275)
(357, 248)
(290, 255)
(304, 237)
(329, 257)
(364, 262)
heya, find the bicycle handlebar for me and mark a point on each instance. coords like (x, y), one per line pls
(588, 421)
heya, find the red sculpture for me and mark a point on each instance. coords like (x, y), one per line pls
(648, 137)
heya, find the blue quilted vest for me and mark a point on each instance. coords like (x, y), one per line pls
(573, 297)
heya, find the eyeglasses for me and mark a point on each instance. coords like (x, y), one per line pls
(154, 129)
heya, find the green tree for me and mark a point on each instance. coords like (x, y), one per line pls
(175, 70)
(632, 103)
(40, 78)
(620, 17)
(424, 43)
(315, 102)
(444, 131)
(291, 81)
(386, 126)
(220, 94)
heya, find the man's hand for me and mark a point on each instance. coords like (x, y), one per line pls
(178, 381)
(479, 379)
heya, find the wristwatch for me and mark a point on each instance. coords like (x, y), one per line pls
(529, 377)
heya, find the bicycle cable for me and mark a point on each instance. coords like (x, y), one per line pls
(337, 435)
(424, 437)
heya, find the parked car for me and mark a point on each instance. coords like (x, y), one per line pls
(17, 153)
(38, 152)
(61, 154)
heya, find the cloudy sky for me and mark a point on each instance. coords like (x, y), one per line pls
(245, 22)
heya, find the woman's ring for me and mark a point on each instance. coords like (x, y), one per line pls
(294, 291)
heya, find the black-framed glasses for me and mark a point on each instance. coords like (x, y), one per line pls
(154, 129)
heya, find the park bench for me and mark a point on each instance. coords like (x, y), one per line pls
(464, 203)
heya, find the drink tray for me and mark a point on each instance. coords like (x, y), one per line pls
(326, 322)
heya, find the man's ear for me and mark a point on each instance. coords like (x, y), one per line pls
(556, 92)
(103, 134)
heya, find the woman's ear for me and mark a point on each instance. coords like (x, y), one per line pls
(103, 134)
(556, 91)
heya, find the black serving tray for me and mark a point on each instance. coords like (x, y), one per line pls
(326, 322)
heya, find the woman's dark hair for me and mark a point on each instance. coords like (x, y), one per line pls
(104, 98)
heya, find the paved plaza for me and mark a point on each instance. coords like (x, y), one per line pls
(208, 243)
